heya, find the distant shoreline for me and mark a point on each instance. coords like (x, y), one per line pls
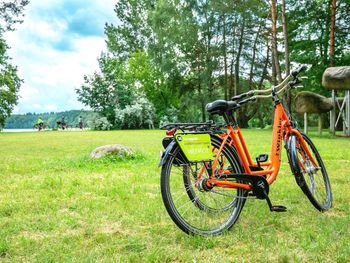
(19, 130)
(36, 130)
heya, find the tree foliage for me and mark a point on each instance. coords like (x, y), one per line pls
(309, 37)
(10, 11)
(183, 54)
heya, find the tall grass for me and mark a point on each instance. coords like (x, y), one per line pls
(57, 205)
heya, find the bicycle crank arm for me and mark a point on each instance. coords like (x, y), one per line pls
(254, 180)
(260, 188)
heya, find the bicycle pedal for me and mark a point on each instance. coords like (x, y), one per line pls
(278, 208)
(262, 158)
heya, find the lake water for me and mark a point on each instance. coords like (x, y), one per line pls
(19, 130)
(35, 130)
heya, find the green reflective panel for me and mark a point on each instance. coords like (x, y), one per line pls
(196, 147)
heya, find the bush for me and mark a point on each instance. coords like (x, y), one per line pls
(138, 115)
(169, 117)
(100, 124)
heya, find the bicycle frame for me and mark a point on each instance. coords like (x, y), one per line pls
(282, 129)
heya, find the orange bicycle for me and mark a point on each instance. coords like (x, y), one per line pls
(207, 174)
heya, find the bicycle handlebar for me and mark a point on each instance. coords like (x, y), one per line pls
(289, 81)
(241, 96)
(247, 100)
(296, 72)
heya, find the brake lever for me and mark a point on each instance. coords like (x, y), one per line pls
(294, 82)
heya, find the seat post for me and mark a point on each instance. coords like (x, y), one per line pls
(229, 118)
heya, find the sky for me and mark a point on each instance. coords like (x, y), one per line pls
(57, 44)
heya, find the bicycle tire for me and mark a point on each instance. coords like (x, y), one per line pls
(310, 179)
(200, 206)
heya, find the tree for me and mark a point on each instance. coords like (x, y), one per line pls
(105, 90)
(275, 58)
(9, 80)
(309, 37)
(118, 87)
(184, 54)
(287, 97)
(332, 33)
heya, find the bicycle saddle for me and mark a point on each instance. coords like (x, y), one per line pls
(221, 106)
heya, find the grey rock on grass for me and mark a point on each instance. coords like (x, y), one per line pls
(111, 149)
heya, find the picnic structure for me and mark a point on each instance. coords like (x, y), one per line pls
(309, 102)
(337, 80)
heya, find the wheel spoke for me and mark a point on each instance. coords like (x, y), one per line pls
(313, 173)
(206, 211)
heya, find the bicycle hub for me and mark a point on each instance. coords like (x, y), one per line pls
(202, 185)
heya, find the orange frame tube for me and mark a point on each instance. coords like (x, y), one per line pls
(281, 130)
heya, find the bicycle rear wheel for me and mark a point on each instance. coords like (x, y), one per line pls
(200, 212)
(311, 177)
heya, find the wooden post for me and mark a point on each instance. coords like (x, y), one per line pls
(319, 124)
(347, 113)
(332, 114)
(305, 123)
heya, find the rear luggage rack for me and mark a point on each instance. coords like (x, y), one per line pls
(209, 126)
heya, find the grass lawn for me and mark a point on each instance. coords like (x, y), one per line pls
(57, 205)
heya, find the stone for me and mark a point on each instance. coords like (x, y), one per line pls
(111, 149)
(336, 78)
(310, 102)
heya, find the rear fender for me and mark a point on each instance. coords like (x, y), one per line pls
(166, 152)
(169, 144)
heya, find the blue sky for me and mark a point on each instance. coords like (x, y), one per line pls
(58, 42)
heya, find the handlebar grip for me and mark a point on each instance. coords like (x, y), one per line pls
(240, 96)
(299, 70)
(295, 82)
(246, 100)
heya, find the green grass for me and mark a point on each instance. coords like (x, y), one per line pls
(57, 205)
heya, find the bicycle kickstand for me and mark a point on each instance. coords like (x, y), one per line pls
(275, 208)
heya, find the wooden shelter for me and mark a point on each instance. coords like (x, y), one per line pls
(337, 79)
(309, 102)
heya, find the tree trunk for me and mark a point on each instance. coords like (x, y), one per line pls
(202, 103)
(285, 34)
(274, 78)
(225, 58)
(232, 90)
(264, 72)
(327, 33)
(238, 57)
(321, 43)
(253, 59)
(287, 97)
(274, 40)
(332, 34)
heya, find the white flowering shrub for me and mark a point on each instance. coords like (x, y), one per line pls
(140, 114)
(100, 124)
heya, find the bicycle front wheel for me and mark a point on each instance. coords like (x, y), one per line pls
(310, 172)
(198, 212)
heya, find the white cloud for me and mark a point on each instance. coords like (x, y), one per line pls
(27, 92)
(51, 53)
(51, 107)
(16, 110)
(37, 106)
